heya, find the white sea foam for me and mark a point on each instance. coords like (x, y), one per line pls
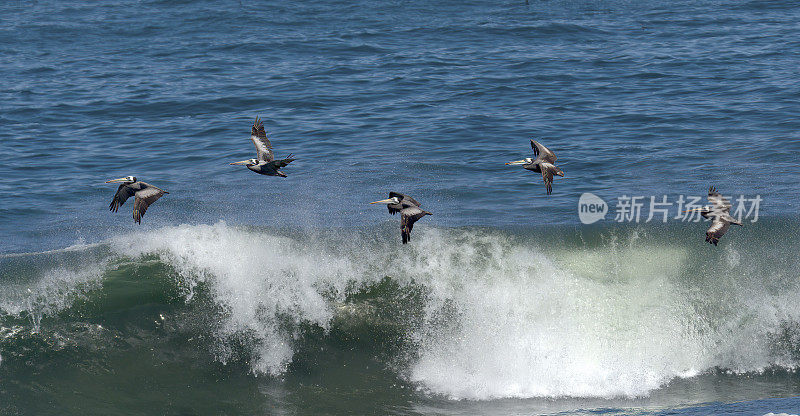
(50, 292)
(254, 277)
(530, 322)
(621, 320)
(568, 324)
(522, 319)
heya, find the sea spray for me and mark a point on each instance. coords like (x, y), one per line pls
(462, 313)
(257, 280)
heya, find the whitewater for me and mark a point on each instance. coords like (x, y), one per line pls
(494, 314)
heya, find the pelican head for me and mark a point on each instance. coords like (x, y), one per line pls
(392, 200)
(248, 162)
(127, 179)
(525, 161)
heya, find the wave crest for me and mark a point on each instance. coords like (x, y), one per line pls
(472, 313)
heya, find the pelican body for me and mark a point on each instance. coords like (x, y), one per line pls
(409, 209)
(543, 163)
(719, 214)
(265, 162)
(145, 194)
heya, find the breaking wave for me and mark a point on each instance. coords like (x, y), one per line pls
(460, 313)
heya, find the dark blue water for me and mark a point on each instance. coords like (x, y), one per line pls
(427, 98)
(641, 98)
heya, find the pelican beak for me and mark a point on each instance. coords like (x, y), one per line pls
(516, 162)
(243, 162)
(118, 180)
(383, 201)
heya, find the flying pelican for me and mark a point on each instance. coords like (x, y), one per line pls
(265, 164)
(544, 164)
(145, 193)
(719, 213)
(409, 209)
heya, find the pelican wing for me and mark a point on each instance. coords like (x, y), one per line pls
(144, 198)
(542, 153)
(547, 175)
(404, 198)
(123, 193)
(720, 203)
(408, 216)
(718, 228)
(259, 137)
(283, 162)
(394, 208)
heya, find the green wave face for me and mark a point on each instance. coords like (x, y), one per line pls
(459, 313)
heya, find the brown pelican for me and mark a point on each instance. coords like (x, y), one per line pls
(265, 163)
(409, 209)
(145, 194)
(719, 213)
(544, 164)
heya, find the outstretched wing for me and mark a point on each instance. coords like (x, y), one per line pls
(259, 137)
(720, 203)
(123, 193)
(718, 228)
(408, 216)
(145, 198)
(283, 162)
(547, 175)
(542, 153)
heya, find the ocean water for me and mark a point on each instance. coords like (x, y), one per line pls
(245, 294)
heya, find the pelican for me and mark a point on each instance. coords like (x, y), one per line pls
(544, 164)
(145, 194)
(409, 209)
(719, 213)
(265, 163)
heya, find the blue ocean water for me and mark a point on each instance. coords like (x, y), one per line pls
(639, 98)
